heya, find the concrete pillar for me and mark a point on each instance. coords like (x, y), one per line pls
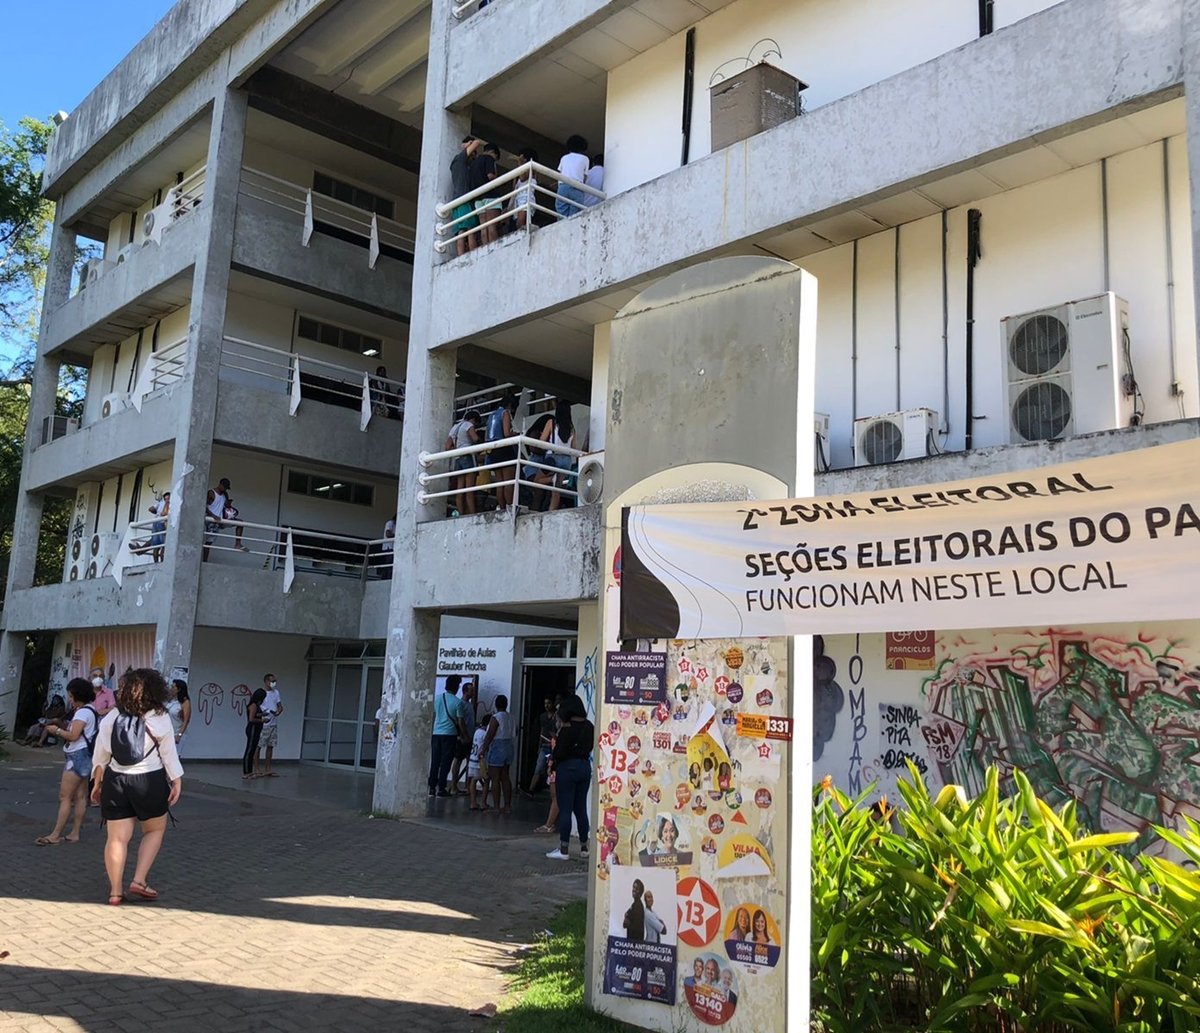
(27, 521)
(403, 763)
(198, 406)
(1191, 88)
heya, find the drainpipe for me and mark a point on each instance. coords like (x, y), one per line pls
(854, 335)
(896, 291)
(945, 323)
(974, 215)
(689, 75)
(987, 17)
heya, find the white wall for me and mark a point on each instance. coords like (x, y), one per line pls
(122, 228)
(1042, 245)
(223, 659)
(115, 367)
(836, 46)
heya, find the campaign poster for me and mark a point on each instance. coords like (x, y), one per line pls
(752, 937)
(711, 989)
(640, 961)
(662, 842)
(635, 678)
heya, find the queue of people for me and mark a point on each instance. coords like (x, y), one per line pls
(121, 753)
(510, 206)
(486, 479)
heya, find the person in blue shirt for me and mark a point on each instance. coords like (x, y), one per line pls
(447, 720)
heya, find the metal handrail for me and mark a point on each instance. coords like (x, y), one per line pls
(277, 365)
(309, 204)
(526, 447)
(526, 182)
(316, 552)
(489, 398)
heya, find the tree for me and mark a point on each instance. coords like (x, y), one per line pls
(25, 218)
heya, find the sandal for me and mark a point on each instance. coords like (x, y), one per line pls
(140, 889)
(116, 899)
(47, 841)
(543, 828)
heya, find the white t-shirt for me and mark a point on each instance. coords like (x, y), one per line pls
(389, 534)
(268, 707)
(88, 718)
(158, 730)
(461, 434)
(574, 165)
(595, 177)
(216, 508)
(477, 745)
(175, 713)
(504, 724)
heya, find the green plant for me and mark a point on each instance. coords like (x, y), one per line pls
(997, 915)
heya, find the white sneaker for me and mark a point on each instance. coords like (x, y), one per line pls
(584, 852)
(557, 855)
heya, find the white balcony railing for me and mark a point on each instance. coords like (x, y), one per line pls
(516, 192)
(313, 211)
(489, 399)
(288, 550)
(465, 8)
(301, 377)
(532, 461)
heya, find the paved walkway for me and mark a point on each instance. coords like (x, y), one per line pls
(276, 914)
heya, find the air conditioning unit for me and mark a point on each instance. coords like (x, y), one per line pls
(55, 427)
(113, 403)
(1069, 370)
(821, 460)
(102, 548)
(96, 268)
(156, 221)
(894, 436)
(124, 253)
(591, 477)
(77, 560)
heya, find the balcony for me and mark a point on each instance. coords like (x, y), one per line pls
(295, 235)
(286, 403)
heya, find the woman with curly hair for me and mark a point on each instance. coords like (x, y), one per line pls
(137, 777)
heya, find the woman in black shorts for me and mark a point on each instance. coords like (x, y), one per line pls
(137, 778)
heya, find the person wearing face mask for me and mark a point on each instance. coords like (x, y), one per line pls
(272, 708)
(105, 700)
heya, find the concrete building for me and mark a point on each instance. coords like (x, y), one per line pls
(953, 165)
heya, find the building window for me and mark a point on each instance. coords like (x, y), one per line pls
(352, 195)
(319, 486)
(338, 337)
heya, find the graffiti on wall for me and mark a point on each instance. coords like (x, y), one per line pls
(585, 687)
(1107, 721)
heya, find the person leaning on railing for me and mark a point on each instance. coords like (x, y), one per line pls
(524, 197)
(574, 164)
(460, 178)
(462, 435)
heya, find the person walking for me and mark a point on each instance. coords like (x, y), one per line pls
(254, 724)
(136, 777)
(547, 726)
(447, 710)
(573, 774)
(499, 751)
(179, 710)
(78, 735)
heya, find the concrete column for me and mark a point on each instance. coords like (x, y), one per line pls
(403, 763)
(198, 406)
(27, 521)
(1191, 88)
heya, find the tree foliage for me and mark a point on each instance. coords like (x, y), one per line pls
(25, 218)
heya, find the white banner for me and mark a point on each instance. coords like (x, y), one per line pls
(1109, 539)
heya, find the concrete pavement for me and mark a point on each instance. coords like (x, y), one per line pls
(275, 913)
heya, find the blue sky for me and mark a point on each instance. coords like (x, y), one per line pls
(55, 51)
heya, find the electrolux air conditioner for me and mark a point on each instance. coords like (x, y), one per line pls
(156, 221)
(113, 403)
(821, 460)
(102, 548)
(96, 268)
(55, 427)
(1069, 369)
(894, 436)
(591, 477)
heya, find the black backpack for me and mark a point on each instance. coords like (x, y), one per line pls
(90, 740)
(129, 739)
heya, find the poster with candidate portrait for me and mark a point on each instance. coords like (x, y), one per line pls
(640, 961)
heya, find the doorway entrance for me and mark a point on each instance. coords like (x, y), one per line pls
(547, 670)
(339, 710)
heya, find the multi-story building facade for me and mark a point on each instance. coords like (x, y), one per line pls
(954, 164)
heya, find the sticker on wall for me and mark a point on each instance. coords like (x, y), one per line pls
(635, 678)
(709, 766)
(761, 726)
(642, 935)
(752, 937)
(661, 844)
(699, 912)
(743, 855)
(711, 990)
(909, 650)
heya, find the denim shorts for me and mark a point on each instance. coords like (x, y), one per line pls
(500, 753)
(79, 762)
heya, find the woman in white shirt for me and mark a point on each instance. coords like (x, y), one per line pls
(498, 749)
(78, 734)
(137, 776)
(179, 710)
(574, 164)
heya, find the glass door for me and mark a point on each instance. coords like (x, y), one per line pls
(339, 714)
